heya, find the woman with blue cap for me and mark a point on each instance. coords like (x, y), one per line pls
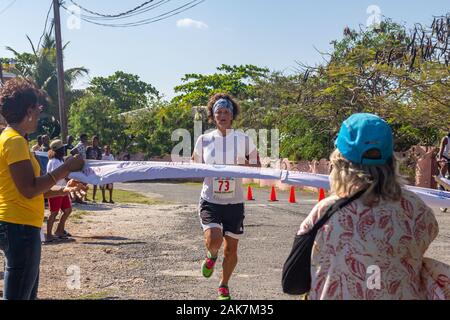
(374, 246)
(221, 207)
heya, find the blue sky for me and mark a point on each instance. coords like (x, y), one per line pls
(272, 34)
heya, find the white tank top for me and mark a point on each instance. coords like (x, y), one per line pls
(213, 148)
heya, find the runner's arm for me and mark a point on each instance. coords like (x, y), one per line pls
(195, 158)
(198, 148)
(251, 159)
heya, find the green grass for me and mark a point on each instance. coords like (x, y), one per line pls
(192, 183)
(119, 196)
(95, 296)
(255, 186)
(124, 196)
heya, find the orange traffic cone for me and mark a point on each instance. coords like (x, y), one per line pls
(250, 194)
(292, 195)
(273, 195)
(321, 194)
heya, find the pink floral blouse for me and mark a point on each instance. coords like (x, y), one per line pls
(373, 252)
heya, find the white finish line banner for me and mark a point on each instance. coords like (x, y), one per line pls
(104, 172)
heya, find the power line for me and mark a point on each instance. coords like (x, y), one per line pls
(112, 15)
(136, 11)
(8, 6)
(45, 25)
(150, 20)
(157, 18)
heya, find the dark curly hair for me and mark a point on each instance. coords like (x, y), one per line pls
(217, 97)
(16, 97)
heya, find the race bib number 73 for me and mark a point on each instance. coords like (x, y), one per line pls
(224, 188)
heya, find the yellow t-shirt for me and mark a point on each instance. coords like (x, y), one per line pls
(14, 207)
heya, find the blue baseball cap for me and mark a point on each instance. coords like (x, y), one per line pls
(363, 132)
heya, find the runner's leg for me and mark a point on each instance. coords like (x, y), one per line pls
(230, 259)
(213, 240)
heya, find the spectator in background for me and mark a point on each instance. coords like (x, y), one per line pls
(126, 157)
(81, 147)
(69, 146)
(443, 159)
(61, 203)
(94, 153)
(45, 143)
(38, 145)
(107, 156)
(444, 155)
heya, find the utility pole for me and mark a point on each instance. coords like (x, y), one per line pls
(1, 72)
(60, 73)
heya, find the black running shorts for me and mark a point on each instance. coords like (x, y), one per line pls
(229, 218)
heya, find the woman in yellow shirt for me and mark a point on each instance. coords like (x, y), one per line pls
(22, 190)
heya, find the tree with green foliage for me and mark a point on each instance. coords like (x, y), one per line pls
(236, 80)
(95, 114)
(40, 66)
(152, 128)
(400, 76)
(379, 71)
(126, 90)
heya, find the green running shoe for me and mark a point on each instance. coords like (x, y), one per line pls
(224, 293)
(208, 266)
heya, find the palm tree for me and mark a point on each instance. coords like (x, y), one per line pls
(40, 66)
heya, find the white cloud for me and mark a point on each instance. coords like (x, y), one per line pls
(189, 23)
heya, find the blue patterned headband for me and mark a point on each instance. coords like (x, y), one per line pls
(223, 103)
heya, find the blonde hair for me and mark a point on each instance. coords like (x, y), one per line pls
(381, 181)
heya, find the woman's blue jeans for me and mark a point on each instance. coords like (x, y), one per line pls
(21, 245)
